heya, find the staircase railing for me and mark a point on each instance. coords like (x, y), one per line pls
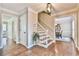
(46, 31)
(47, 35)
(49, 29)
(43, 27)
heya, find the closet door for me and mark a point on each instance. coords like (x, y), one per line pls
(23, 38)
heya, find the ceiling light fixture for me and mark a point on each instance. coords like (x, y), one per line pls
(49, 6)
(50, 9)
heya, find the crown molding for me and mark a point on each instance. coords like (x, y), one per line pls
(23, 11)
(66, 12)
(4, 10)
(32, 10)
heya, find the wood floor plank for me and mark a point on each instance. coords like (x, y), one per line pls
(56, 49)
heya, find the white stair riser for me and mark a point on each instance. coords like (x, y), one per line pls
(44, 38)
(41, 31)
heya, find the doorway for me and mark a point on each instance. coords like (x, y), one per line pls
(23, 30)
(65, 29)
(7, 38)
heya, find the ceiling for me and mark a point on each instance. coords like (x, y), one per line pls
(63, 20)
(18, 7)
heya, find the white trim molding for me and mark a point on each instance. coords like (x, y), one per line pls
(8, 11)
(67, 11)
(77, 48)
(32, 10)
(30, 46)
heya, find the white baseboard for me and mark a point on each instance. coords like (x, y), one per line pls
(77, 48)
(64, 39)
(30, 46)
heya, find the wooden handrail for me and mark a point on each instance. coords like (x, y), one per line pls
(42, 27)
(46, 26)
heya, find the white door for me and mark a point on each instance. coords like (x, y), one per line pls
(23, 38)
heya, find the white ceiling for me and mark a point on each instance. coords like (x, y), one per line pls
(18, 7)
(63, 20)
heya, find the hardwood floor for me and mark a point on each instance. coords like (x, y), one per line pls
(56, 49)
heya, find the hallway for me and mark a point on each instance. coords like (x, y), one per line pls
(57, 49)
(19, 21)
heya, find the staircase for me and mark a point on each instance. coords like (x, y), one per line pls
(44, 40)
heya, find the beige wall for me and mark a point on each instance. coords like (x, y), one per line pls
(78, 28)
(29, 21)
(32, 25)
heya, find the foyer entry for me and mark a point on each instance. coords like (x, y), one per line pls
(65, 29)
(8, 30)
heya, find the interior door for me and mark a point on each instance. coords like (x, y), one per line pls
(23, 38)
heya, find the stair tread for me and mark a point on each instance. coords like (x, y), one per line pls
(42, 35)
(48, 42)
(44, 38)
